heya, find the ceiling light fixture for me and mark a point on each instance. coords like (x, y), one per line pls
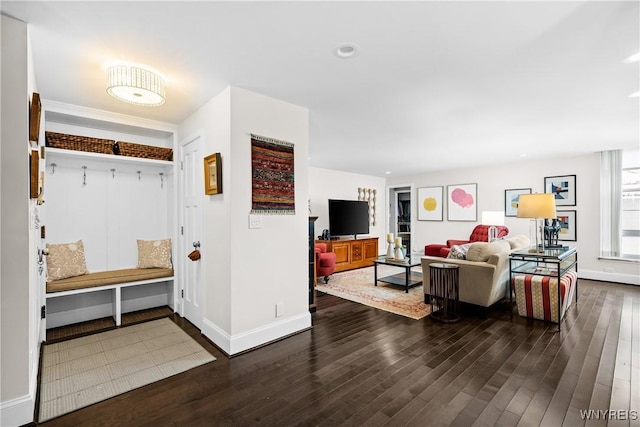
(136, 85)
(346, 50)
(633, 58)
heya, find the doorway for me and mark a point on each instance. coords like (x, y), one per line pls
(400, 214)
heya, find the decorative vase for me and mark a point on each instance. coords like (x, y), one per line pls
(389, 251)
(389, 247)
(398, 254)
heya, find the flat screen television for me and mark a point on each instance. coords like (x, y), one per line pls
(348, 217)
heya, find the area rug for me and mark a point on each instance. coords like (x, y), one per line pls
(83, 371)
(357, 285)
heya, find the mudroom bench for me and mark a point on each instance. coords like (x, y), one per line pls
(114, 282)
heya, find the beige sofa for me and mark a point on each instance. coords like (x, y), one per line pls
(484, 275)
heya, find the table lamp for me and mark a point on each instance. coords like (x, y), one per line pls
(493, 218)
(537, 207)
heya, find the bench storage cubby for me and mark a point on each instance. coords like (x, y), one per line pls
(108, 202)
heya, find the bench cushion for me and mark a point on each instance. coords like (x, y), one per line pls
(104, 278)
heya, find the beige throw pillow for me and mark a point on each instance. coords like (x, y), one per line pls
(481, 251)
(154, 253)
(519, 241)
(65, 260)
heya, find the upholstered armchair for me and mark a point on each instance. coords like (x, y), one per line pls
(479, 234)
(325, 261)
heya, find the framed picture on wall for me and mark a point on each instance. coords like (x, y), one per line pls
(213, 174)
(430, 203)
(462, 204)
(568, 226)
(511, 197)
(563, 189)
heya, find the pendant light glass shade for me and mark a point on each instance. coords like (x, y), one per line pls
(135, 85)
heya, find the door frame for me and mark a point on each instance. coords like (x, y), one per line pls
(392, 197)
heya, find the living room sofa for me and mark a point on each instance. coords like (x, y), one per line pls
(484, 275)
(480, 233)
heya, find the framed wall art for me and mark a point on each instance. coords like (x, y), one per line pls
(213, 174)
(462, 202)
(563, 189)
(430, 203)
(35, 110)
(568, 226)
(511, 197)
(34, 172)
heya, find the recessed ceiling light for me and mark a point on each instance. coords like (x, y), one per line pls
(346, 50)
(635, 95)
(388, 172)
(523, 155)
(633, 58)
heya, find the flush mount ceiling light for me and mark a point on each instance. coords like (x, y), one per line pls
(633, 58)
(346, 50)
(135, 85)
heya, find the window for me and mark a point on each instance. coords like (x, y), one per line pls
(630, 208)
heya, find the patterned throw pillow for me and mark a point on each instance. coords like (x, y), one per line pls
(459, 251)
(65, 260)
(154, 253)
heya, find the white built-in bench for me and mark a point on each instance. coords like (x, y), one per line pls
(113, 281)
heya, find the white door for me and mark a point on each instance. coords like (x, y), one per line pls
(192, 195)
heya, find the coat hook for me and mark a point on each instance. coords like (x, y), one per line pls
(139, 172)
(161, 179)
(53, 168)
(113, 173)
(84, 176)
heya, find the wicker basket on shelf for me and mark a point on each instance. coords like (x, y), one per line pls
(145, 151)
(79, 143)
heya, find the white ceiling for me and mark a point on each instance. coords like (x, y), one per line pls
(436, 84)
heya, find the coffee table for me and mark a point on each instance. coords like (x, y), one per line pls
(407, 279)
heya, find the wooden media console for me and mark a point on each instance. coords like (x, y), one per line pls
(354, 253)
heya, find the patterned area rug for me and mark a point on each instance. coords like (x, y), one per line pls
(357, 285)
(83, 371)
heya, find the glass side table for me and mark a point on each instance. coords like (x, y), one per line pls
(443, 287)
(544, 282)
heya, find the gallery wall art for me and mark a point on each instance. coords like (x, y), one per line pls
(462, 204)
(511, 197)
(430, 203)
(563, 189)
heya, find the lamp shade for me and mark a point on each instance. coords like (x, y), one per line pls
(537, 206)
(135, 85)
(492, 218)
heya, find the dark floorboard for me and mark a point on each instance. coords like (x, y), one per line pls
(360, 366)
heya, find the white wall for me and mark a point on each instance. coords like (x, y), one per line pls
(17, 364)
(492, 182)
(249, 271)
(325, 184)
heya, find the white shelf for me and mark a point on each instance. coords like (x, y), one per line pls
(60, 153)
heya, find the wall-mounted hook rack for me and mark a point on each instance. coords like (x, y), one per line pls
(113, 173)
(84, 176)
(161, 179)
(53, 168)
(139, 172)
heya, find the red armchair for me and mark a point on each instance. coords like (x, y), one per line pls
(325, 261)
(479, 234)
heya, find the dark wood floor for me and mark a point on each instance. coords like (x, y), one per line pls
(360, 366)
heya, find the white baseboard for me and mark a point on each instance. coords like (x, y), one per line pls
(17, 412)
(629, 279)
(234, 344)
